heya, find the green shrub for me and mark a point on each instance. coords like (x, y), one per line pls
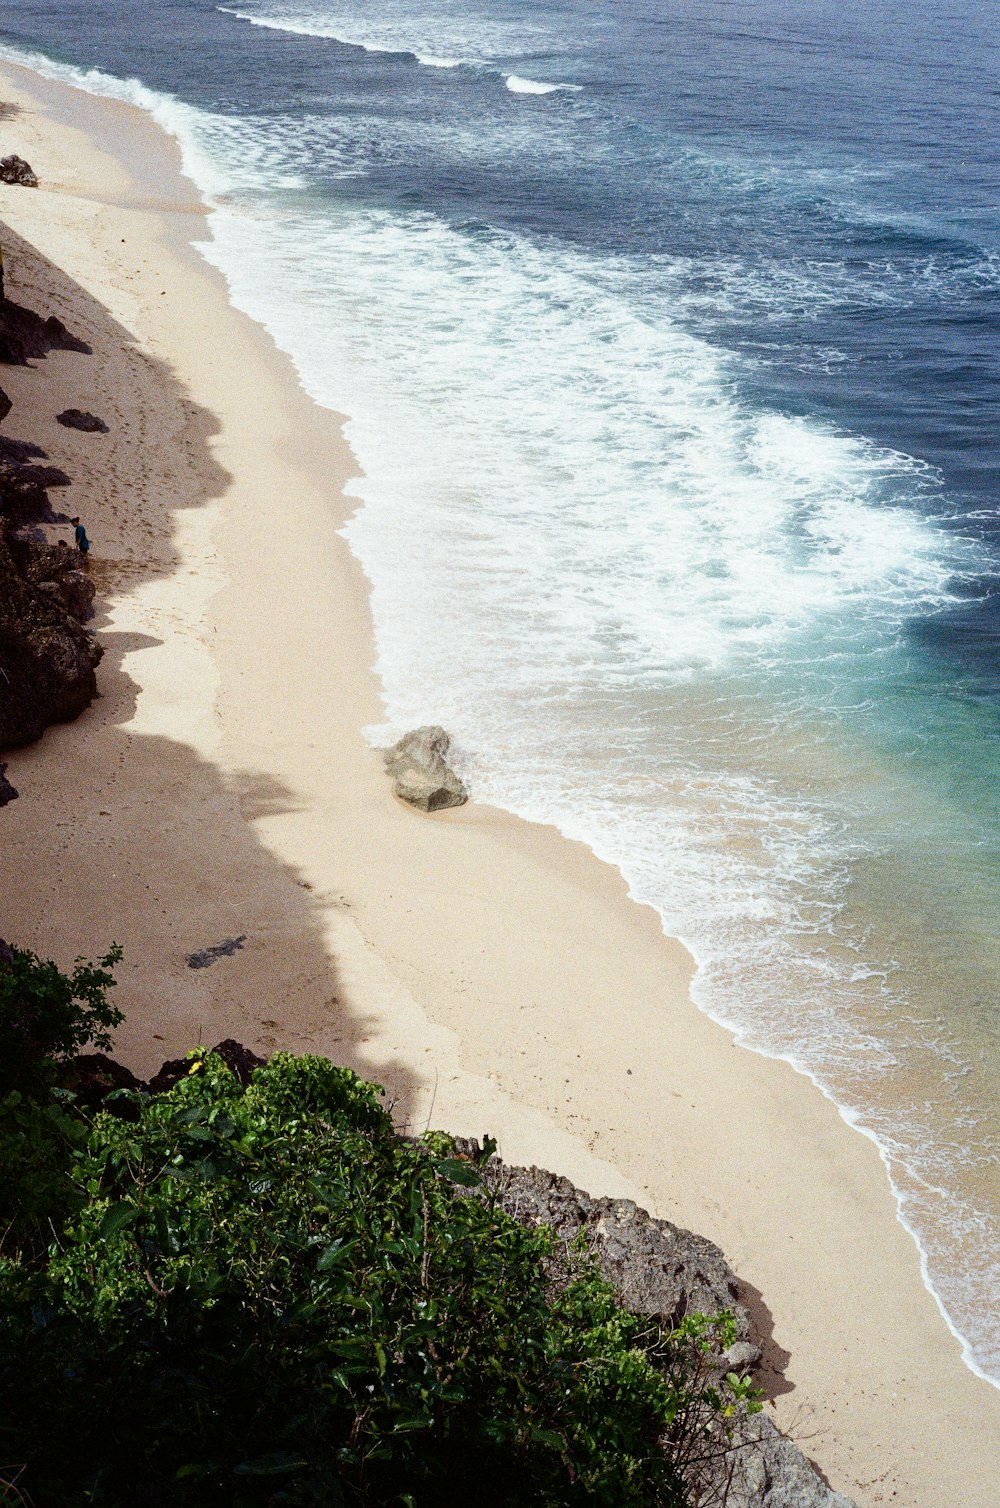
(46, 1015)
(262, 1295)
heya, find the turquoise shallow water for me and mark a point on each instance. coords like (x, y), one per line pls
(669, 342)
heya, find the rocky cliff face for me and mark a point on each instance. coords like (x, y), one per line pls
(47, 657)
(658, 1269)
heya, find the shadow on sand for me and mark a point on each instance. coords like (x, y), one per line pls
(135, 837)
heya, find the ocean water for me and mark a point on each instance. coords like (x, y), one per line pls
(668, 337)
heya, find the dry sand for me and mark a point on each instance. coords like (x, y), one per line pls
(491, 974)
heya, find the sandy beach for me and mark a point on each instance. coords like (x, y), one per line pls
(493, 976)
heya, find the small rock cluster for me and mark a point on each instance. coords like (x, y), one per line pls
(205, 957)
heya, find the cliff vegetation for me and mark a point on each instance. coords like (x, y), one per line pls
(248, 1289)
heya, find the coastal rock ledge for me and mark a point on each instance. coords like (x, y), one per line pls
(659, 1269)
(423, 776)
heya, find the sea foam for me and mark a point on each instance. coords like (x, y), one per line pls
(442, 41)
(517, 85)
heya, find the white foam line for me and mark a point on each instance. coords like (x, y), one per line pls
(327, 33)
(314, 28)
(851, 1118)
(171, 114)
(518, 85)
(318, 30)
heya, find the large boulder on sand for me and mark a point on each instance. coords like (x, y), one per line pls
(419, 764)
(78, 593)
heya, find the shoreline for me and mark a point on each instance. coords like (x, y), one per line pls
(425, 929)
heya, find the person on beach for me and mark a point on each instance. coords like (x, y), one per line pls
(82, 542)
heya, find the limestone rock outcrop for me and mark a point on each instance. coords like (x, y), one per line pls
(659, 1269)
(47, 658)
(419, 765)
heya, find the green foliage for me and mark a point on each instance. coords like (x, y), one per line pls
(37, 1137)
(261, 1296)
(46, 1015)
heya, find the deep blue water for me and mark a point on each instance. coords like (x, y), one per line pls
(669, 338)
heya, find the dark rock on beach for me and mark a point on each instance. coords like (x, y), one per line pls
(205, 957)
(26, 336)
(5, 405)
(7, 791)
(55, 569)
(237, 1058)
(93, 1076)
(419, 764)
(47, 659)
(78, 418)
(77, 591)
(14, 169)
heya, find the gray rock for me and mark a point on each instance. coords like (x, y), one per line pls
(656, 1268)
(15, 170)
(419, 765)
(78, 594)
(764, 1469)
(662, 1270)
(742, 1357)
